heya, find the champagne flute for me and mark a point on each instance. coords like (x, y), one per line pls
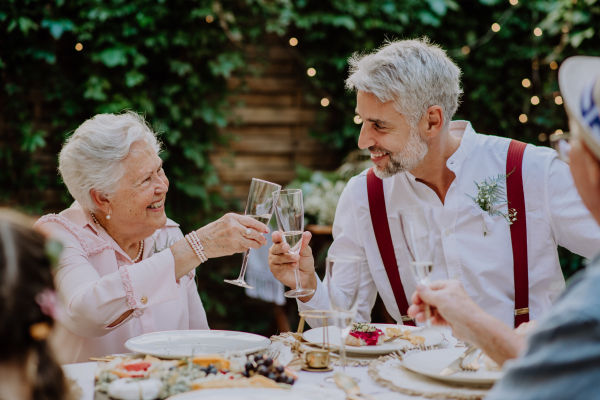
(290, 220)
(261, 200)
(416, 227)
(342, 278)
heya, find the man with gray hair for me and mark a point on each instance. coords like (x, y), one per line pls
(505, 256)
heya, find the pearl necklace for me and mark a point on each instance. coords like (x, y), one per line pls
(139, 256)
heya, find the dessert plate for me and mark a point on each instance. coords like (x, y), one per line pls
(431, 363)
(180, 344)
(432, 337)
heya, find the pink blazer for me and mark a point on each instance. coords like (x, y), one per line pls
(97, 282)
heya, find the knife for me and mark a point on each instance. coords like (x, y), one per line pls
(455, 366)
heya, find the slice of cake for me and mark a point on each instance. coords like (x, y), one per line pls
(365, 335)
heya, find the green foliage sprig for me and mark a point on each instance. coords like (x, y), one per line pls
(492, 193)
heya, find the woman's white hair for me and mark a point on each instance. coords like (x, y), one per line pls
(414, 74)
(92, 158)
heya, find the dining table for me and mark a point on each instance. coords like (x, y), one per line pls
(83, 374)
(363, 368)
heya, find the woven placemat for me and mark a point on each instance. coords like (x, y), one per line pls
(388, 372)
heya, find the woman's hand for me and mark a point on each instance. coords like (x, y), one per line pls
(227, 235)
(282, 263)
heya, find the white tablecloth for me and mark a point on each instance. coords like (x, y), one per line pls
(84, 375)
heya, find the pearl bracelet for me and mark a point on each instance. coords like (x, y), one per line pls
(196, 245)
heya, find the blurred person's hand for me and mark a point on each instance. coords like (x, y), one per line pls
(451, 306)
(282, 263)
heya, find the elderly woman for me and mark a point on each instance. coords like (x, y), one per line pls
(126, 268)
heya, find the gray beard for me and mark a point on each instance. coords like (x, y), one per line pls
(406, 160)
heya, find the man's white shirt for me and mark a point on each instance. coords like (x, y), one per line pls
(483, 264)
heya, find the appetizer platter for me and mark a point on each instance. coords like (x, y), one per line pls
(376, 338)
(151, 378)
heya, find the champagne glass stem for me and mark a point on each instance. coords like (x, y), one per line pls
(428, 316)
(298, 282)
(343, 352)
(244, 265)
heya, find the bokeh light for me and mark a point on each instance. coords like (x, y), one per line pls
(535, 100)
(78, 47)
(523, 118)
(324, 102)
(293, 42)
(526, 82)
(311, 72)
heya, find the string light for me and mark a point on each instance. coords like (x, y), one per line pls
(535, 65)
(558, 100)
(535, 100)
(553, 65)
(537, 32)
(523, 118)
(78, 47)
(526, 82)
(293, 42)
(542, 137)
(495, 27)
(324, 102)
(514, 2)
(311, 72)
(559, 132)
(357, 120)
(209, 18)
(465, 50)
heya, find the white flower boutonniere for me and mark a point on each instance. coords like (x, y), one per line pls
(491, 194)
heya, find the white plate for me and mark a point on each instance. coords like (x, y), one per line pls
(180, 344)
(261, 394)
(431, 363)
(432, 338)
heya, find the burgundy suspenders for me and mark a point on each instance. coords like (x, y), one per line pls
(518, 230)
(518, 233)
(384, 242)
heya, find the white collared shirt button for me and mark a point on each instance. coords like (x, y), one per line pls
(448, 232)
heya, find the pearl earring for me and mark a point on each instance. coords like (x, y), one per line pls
(108, 216)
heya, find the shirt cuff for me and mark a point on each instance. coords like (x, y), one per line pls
(319, 301)
(152, 281)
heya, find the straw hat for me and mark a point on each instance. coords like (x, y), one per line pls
(579, 81)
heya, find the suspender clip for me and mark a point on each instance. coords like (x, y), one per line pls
(522, 311)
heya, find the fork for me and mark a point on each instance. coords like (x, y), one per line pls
(473, 365)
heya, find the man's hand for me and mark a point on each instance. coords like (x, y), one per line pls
(282, 263)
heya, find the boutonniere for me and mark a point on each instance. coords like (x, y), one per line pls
(490, 195)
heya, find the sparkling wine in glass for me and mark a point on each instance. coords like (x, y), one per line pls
(416, 227)
(261, 200)
(290, 220)
(342, 278)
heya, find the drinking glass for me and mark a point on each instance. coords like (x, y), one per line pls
(416, 227)
(261, 200)
(290, 220)
(342, 278)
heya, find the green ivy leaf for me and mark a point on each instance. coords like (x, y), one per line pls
(113, 57)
